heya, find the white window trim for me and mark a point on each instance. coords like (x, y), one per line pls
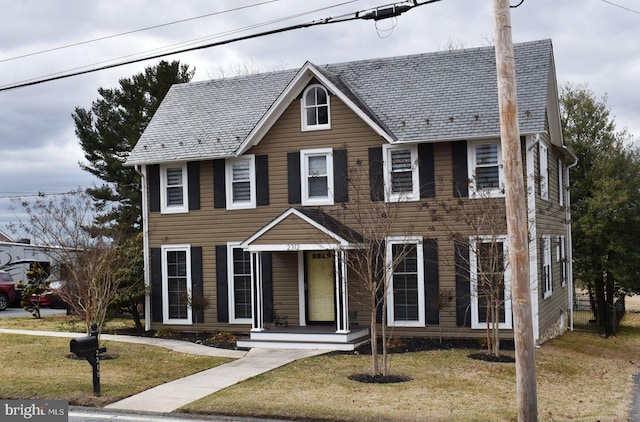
(165, 293)
(390, 241)
(389, 196)
(560, 182)
(231, 285)
(473, 277)
(547, 285)
(471, 160)
(303, 110)
(304, 170)
(240, 205)
(173, 209)
(543, 162)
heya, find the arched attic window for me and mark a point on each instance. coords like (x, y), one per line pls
(315, 108)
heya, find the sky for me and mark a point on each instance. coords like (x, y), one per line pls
(596, 42)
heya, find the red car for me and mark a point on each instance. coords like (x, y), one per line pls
(7, 290)
(50, 297)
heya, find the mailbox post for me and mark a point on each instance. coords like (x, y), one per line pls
(87, 347)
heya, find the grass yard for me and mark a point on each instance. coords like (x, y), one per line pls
(581, 377)
(38, 367)
(62, 323)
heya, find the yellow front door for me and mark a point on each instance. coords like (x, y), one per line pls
(320, 287)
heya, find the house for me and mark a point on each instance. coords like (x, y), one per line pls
(249, 197)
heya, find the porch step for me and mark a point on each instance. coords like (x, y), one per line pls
(302, 345)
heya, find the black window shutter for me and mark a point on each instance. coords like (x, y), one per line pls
(427, 171)
(262, 180)
(197, 288)
(376, 175)
(463, 286)
(379, 274)
(460, 169)
(431, 288)
(293, 177)
(222, 284)
(340, 176)
(267, 286)
(193, 181)
(219, 195)
(153, 176)
(156, 285)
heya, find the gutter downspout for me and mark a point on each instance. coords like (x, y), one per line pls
(569, 238)
(142, 171)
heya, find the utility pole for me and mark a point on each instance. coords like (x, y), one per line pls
(516, 210)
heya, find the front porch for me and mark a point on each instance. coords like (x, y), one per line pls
(310, 337)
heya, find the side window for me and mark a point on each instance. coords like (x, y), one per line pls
(401, 178)
(241, 182)
(561, 258)
(547, 275)
(315, 108)
(176, 284)
(239, 278)
(560, 182)
(173, 188)
(543, 161)
(486, 177)
(316, 166)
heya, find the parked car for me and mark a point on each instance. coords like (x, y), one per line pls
(7, 290)
(50, 297)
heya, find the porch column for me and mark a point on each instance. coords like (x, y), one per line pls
(342, 296)
(257, 304)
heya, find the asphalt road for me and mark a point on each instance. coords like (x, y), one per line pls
(19, 312)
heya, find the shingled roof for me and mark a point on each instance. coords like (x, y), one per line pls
(426, 97)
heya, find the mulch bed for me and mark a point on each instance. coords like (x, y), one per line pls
(378, 379)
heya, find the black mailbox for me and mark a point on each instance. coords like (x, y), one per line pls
(84, 346)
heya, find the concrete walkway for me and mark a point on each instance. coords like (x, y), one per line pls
(175, 394)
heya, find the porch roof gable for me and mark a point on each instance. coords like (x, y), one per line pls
(300, 229)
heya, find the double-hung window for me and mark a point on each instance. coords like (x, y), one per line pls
(486, 172)
(543, 161)
(315, 108)
(240, 179)
(490, 282)
(547, 274)
(173, 188)
(176, 284)
(317, 176)
(561, 258)
(404, 261)
(560, 183)
(401, 178)
(239, 265)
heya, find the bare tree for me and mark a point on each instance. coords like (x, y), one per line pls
(88, 262)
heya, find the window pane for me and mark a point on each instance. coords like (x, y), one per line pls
(401, 182)
(177, 264)
(323, 115)
(487, 154)
(400, 160)
(177, 284)
(318, 187)
(174, 196)
(241, 191)
(318, 165)
(174, 176)
(487, 177)
(490, 279)
(310, 98)
(321, 96)
(241, 171)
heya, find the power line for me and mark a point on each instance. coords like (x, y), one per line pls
(621, 7)
(134, 31)
(183, 43)
(381, 12)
